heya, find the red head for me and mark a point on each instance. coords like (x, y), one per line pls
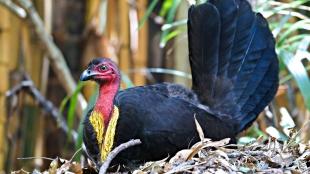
(105, 72)
(101, 70)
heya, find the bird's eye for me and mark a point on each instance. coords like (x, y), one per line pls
(103, 68)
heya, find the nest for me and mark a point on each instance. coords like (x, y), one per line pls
(206, 156)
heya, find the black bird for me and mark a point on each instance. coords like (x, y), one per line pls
(235, 75)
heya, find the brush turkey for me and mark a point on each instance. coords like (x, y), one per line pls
(234, 76)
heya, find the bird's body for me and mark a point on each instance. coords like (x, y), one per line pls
(149, 113)
(235, 75)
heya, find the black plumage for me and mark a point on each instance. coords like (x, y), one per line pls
(241, 61)
(235, 75)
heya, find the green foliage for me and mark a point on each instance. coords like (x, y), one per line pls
(166, 34)
(148, 12)
(90, 105)
(72, 100)
(291, 28)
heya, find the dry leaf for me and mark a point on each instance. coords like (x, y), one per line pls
(181, 156)
(199, 130)
(220, 143)
(76, 168)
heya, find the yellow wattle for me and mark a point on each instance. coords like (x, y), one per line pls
(96, 120)
(109, 135)
(105, 140)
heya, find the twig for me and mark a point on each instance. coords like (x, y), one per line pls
(27, 86)
(30, 158)
(104, 167)
(246, 153)
(79, 150)
(18, 11)
(57, 58)
(296, 134)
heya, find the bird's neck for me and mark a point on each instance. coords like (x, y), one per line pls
(105, 101)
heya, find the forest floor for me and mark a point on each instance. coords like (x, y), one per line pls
(206, 156)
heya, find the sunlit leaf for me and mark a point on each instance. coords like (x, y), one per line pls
(275, 10)
(299, 73)
(169, 19)
(163, 71)
(174, 24)
(148, 12)
(272, 131)
(303, 24)
(165, 7)
(170, 36)
(280, 25)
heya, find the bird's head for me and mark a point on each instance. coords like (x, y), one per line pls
(102, 71)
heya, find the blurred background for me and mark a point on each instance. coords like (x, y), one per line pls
(45, 45)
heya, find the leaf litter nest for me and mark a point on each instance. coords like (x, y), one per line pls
(208, 156)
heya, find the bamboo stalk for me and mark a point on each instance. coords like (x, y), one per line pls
(39, 146)
(32, 58)
(181, 48)
(124, 53)
(9, 38)
(3, 147)
(58, 62)
(141, 59)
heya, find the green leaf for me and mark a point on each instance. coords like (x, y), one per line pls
(171, 35)
(298, 72)
(90, 105)
(169, 19)
(148, 13)
(72, 106)
(280, 25)
(165, 7)
(174, 24)
(273, 10)
(303, 24)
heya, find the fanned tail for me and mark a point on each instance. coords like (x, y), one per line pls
(233, 60)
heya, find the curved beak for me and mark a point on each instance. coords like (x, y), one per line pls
(87, 75)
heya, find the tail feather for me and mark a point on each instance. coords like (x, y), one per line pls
(233, 60)
(205, 20)
(264, 94)
(244, 36)
(263, 55)
(228, 20)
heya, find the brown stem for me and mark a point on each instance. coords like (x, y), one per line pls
(104, 167)
(27, 86)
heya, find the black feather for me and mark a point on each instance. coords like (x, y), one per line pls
(203, 33)
(246, 49)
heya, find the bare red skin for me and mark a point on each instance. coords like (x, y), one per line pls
(109, 82)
